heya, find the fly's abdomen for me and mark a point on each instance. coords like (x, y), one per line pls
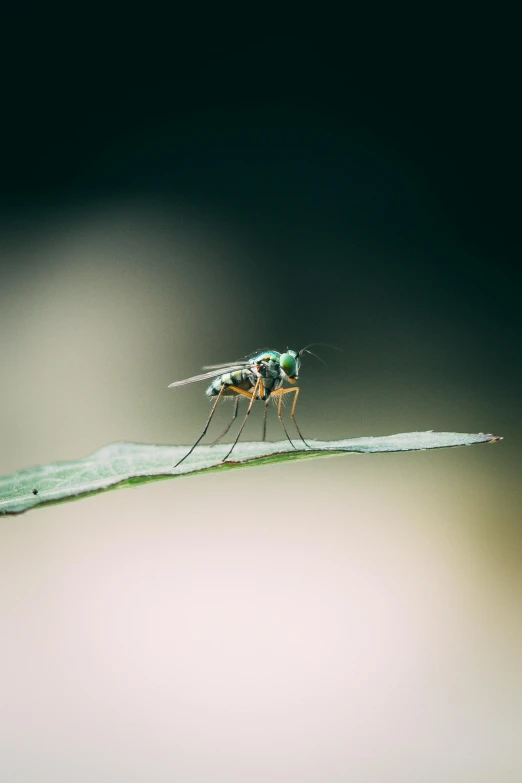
(243, 379)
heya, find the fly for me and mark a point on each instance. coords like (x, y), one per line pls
(258, 378)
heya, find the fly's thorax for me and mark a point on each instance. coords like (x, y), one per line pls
(267, 357)
(268, 371)
(266, 366)
(270, 384)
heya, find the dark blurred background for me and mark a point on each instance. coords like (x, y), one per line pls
(183, 190)
(262, 186)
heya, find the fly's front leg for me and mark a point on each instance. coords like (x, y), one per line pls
(292, 415)
(294, 390)
(279, 393)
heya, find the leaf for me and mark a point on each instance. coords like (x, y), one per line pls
(128, 464)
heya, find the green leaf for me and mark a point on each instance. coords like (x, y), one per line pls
(128, 464)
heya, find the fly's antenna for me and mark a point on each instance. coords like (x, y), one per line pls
(328, 345)
(305, 350)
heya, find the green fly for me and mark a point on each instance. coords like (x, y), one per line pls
(259, 378)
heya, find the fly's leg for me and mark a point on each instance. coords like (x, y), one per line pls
(294, 390)
(280, 393)
(253, 396)
(292, 415)
(206, 427)
(234, 417)
(264, 418)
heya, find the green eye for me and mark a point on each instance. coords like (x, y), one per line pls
(287, 363)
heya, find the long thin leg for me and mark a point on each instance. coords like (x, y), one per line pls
(292, 415)
(234, 417)
(279, 393)
(264, 419)
(206, 427)
(246, 394)
(294, 390)
(254, 393)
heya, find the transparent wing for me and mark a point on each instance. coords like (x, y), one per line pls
(225, 365)
(207, 375)
(246, 362)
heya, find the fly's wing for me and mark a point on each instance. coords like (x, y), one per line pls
(240, 362)
(227, 365)
(208, 375)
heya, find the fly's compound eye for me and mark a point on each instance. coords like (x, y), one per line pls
(288, 364)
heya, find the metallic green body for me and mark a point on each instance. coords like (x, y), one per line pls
(271, 366)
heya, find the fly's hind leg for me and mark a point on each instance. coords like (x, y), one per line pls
(206, 427)
(234, 417)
